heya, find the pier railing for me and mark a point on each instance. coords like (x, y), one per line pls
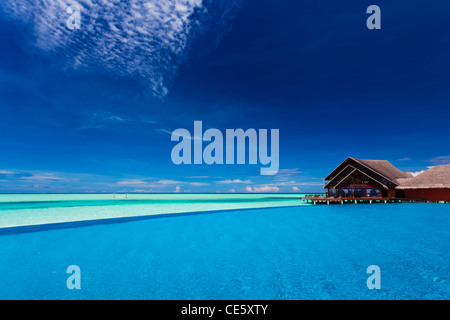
(320, 199)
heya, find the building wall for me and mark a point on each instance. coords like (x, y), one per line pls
(434, 194)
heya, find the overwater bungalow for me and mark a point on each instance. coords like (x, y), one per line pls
(365, 178)
(356, 180)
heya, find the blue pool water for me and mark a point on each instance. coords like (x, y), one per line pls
(302, 252)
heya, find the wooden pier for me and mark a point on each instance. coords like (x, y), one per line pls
(319, 199)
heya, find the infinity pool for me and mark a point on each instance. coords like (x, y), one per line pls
(299, 252)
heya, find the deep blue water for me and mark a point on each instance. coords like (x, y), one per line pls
(306, 252)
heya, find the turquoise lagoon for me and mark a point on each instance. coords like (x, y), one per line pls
(17, 210)
(220, 247)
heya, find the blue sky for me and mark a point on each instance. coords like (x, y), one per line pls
(91, 110)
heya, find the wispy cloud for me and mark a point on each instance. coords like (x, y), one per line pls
(262, 189)
(132, 182)
(7, 175)
(140, 38)
(197, 177)
(12, 180)
(168, 182)
(235, 181)
(102, 119)
(440, 160)
(287, 174)
(157, 184)
(199, 184)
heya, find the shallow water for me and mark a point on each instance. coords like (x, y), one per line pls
(303, 252)
(32, 209)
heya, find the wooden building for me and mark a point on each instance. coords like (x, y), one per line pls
(430, 185)
(366, 179)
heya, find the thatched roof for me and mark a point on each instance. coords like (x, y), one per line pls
(436, 177)
(385, 168)
(381, 167)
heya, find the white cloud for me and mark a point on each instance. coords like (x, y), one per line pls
(234, 181)
(144, 38)
(36, 176)
(287, 174)
(289, 171)
(132, 182)
(262, 189)
(41, 177)
(415, 174)
(103, 119)
(157, 184)
(310, 183)
(178, 189)
(167, 181)
(295, 189)
(197, 177)
(199, 184)
(440, 160)
(142, 190)
(6, 172)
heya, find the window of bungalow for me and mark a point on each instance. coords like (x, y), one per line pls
(360, 192)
